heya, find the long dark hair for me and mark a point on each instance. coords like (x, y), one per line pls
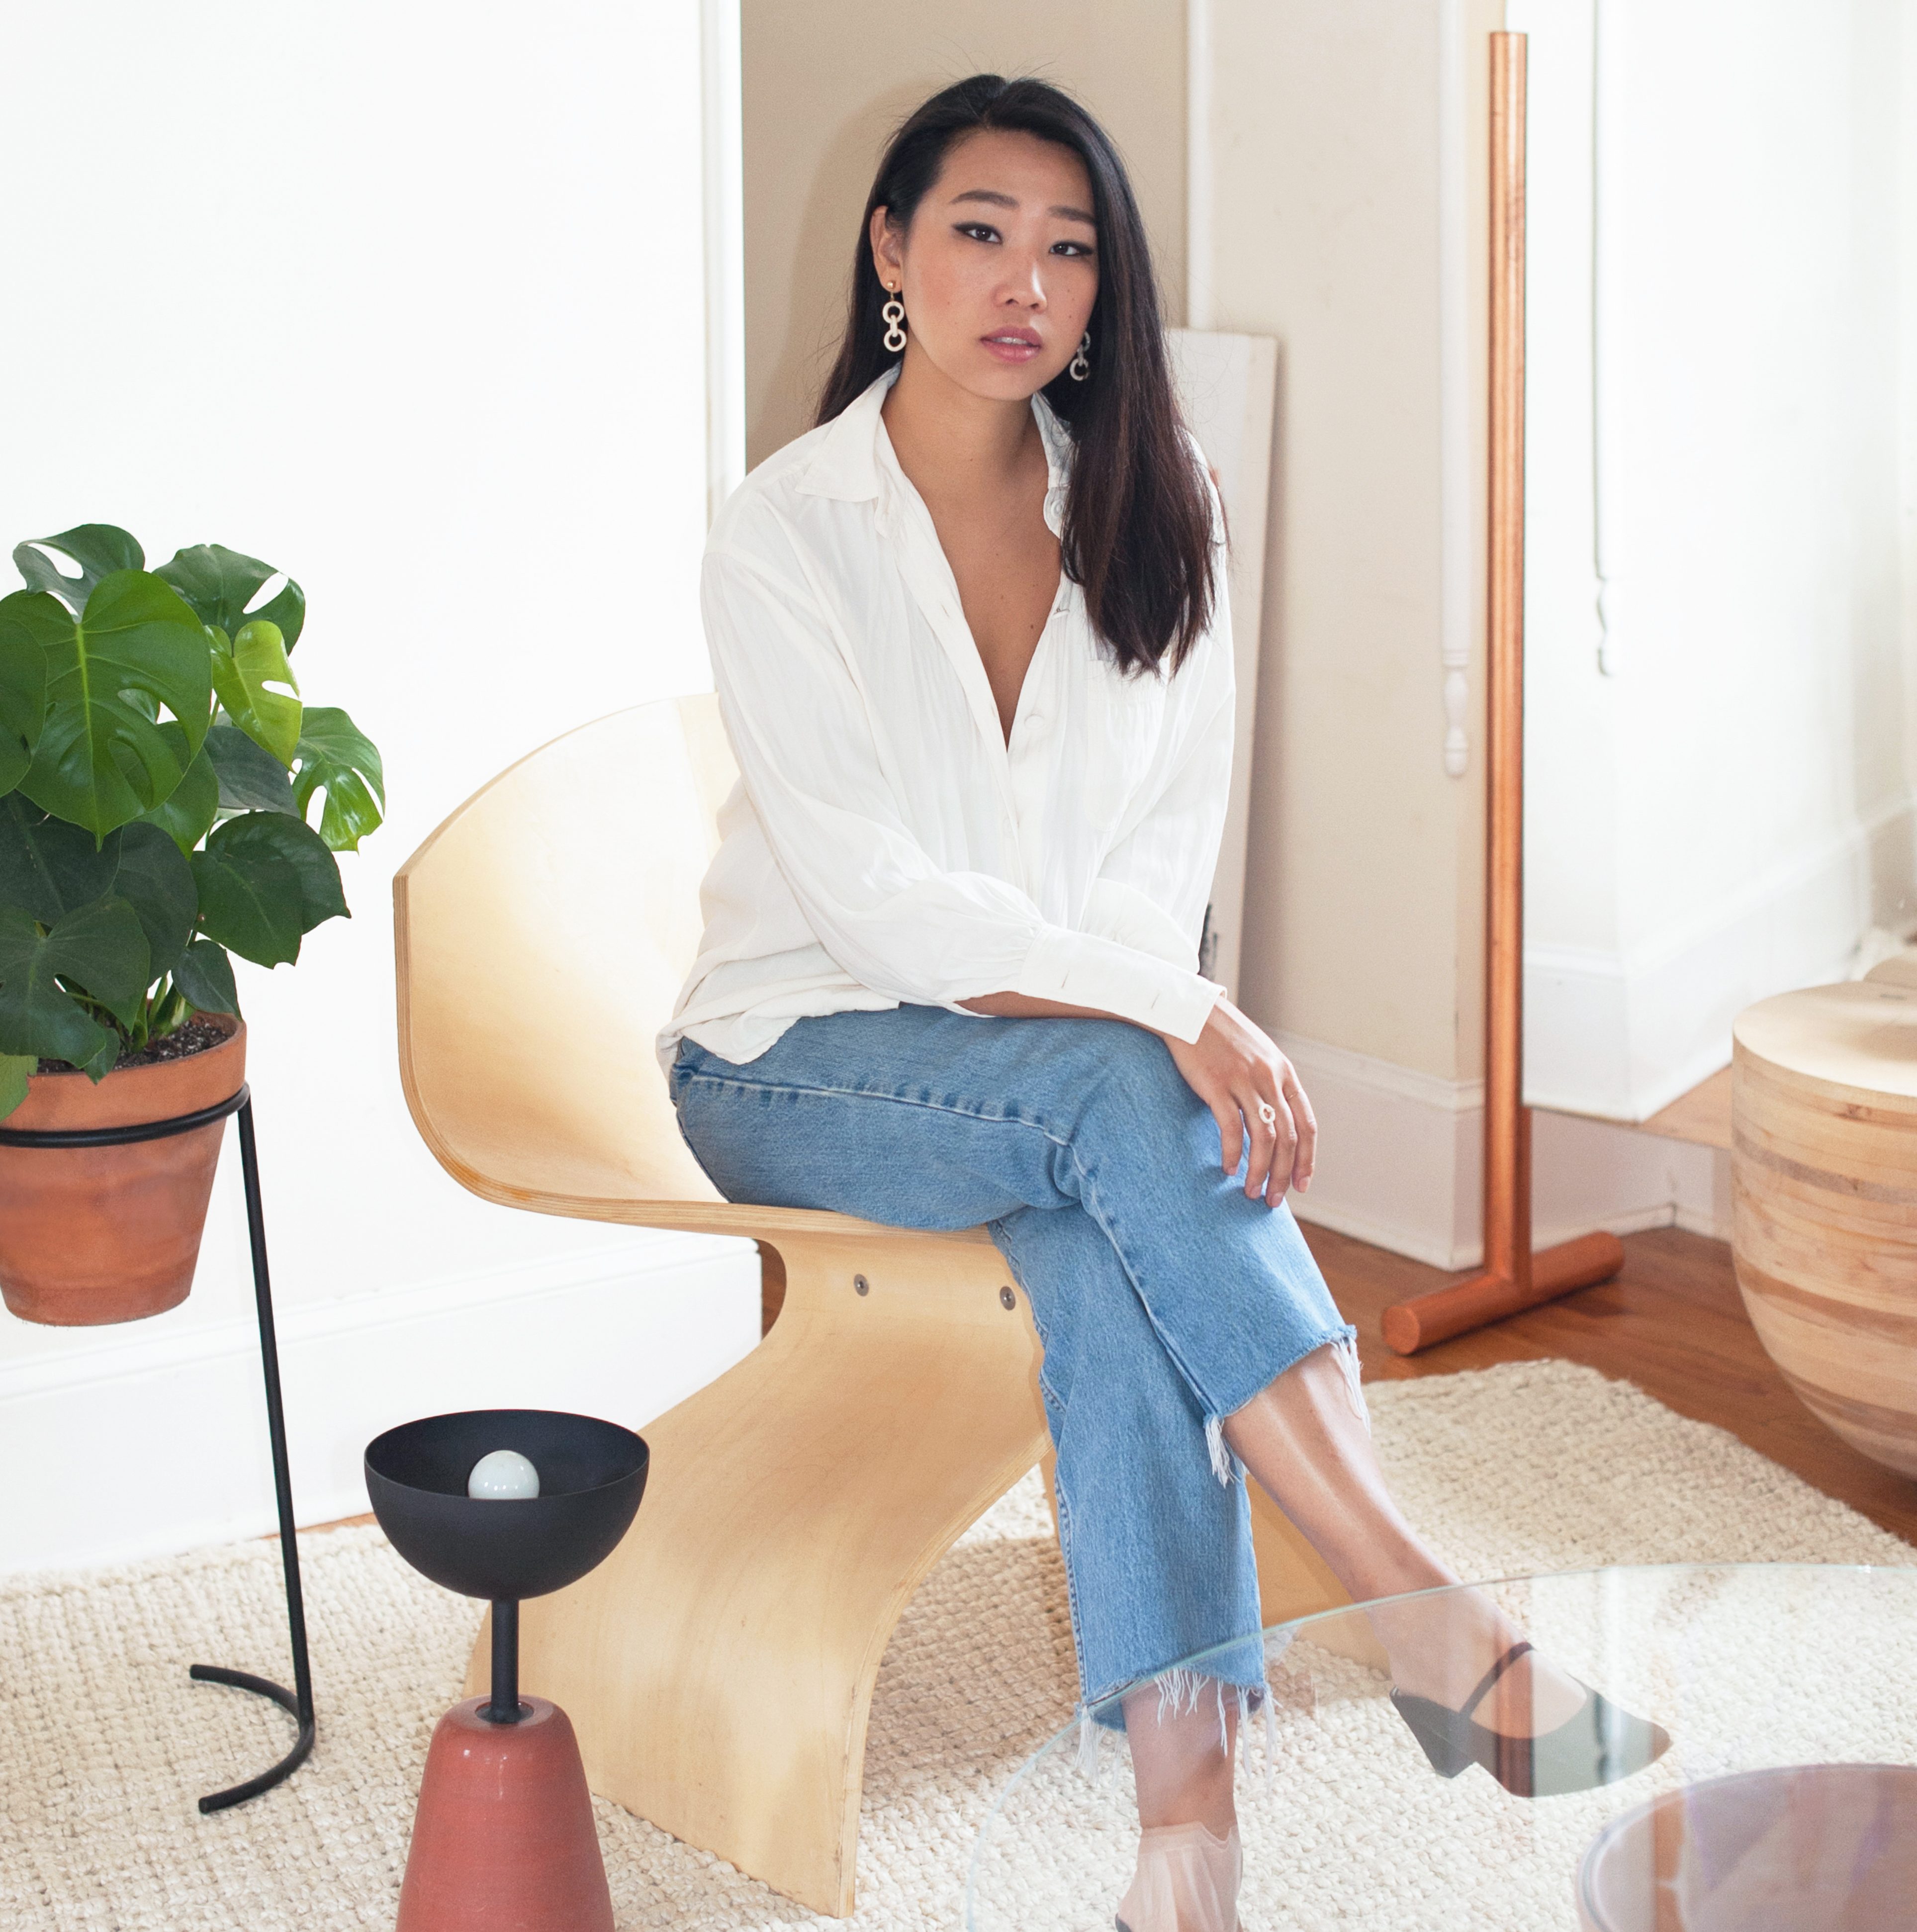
(1137, 531)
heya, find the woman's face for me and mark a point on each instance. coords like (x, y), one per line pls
(998, 270)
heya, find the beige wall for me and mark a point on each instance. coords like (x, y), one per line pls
(825, 84)
(1364, 908)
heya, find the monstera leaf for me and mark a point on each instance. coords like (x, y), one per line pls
(335, 755)
(153, 876)
(48, 869)
(102, 760)
(100, 949)
(204, 975)
(23, 689)
(187, 814)
(244, 673)
(117, 770)
(220, 584)
(99, 549)
(265, 881)
(251, 779)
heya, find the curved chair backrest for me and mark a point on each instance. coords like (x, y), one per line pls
(543, 933)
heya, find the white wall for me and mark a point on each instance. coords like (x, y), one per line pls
(408, 301)
(1719, 797)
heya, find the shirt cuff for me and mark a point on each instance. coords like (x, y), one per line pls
(1079, 969)
(1113, 910)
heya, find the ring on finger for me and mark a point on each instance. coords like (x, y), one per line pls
(1267, 1113)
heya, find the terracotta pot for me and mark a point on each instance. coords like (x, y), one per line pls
(95, 1234)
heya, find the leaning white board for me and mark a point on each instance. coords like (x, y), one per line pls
(1227, 386)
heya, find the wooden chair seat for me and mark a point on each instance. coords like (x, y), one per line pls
(718, 1667)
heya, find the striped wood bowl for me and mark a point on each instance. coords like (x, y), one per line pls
(1824, 1203)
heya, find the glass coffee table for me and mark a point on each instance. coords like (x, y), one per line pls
(1786, 1800)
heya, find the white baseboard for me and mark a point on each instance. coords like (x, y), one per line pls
(1400, 1154)
(1401, 1165)
(1619, 1035)
(1590, 1174)
(144, 1440)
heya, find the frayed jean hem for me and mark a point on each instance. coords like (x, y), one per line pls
(1180, 1692)
(1226, 1465)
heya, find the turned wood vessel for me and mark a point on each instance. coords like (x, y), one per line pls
(1824, 1203)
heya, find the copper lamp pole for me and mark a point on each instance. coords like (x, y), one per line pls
(1514, 1277)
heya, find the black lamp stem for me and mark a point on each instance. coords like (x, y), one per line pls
(504, 1709)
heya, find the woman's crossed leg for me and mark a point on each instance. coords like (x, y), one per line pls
(1188, 1336)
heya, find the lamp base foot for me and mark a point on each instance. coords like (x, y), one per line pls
(503, 1834)
(1409, 1326)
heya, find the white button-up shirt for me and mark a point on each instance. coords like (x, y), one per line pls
(885, 845)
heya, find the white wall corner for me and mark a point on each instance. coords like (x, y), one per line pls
(1588, 1174)
(1620, 1035)
(1199, 276)
(722, 179)
(1400, 1153)
(1458, 396)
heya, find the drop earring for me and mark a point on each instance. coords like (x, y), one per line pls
(893, 315)
(1079, 368)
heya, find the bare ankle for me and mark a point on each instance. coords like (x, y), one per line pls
(1182, 1758)
(1219, 1819)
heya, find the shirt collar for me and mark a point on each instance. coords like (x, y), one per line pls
(847, 464)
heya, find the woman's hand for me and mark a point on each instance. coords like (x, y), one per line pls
(1232, 1067)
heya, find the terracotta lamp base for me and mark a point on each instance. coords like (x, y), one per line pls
(502, 1838)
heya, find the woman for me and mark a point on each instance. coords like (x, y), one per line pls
(972, 651)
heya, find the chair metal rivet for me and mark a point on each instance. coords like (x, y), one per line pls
(859, 1282)
(1007, 1299)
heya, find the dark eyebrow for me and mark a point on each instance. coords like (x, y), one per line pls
(1064, 212)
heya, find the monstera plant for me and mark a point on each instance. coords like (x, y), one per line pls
(159, 778)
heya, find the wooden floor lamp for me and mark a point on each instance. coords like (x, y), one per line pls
(1513, 1278)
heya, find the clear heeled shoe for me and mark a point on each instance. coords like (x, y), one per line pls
(1599, 1744)
(1187, 1881)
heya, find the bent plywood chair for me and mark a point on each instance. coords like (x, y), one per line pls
(719, 1666)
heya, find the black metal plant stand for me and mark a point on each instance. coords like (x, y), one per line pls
(299, 1701)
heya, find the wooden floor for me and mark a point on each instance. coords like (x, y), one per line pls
(1672, 1323)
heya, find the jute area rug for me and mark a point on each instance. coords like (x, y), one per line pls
(104, 1743)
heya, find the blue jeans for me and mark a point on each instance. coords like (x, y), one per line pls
(1164, 1298)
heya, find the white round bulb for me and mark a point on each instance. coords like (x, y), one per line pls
(503, 1476)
